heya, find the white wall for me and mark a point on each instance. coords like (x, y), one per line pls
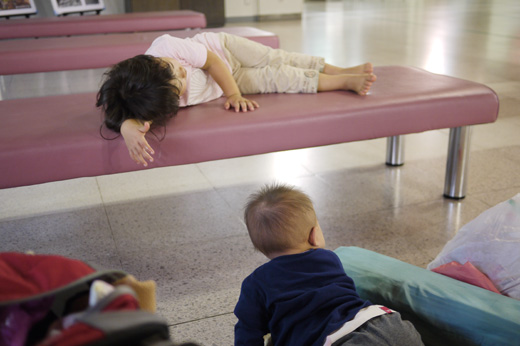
(255, 8)
(241, 8)
(279, 7)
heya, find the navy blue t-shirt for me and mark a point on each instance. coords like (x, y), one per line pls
(299, 299)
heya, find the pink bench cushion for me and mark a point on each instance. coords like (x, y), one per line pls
(102, 24)
(57, 138)
(83, 52)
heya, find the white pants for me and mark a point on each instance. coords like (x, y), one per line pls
(261, 69)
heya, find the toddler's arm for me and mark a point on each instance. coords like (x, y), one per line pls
(133, 132)
(253, 319)
(220, 73)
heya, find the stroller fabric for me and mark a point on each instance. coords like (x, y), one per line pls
(46, 300)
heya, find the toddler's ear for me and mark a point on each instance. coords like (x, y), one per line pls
(312, 237)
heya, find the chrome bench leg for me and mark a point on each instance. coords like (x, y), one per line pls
(395, 151)
(457, 162)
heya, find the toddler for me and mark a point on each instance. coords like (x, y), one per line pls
(302, 296)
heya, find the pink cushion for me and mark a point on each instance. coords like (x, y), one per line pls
(57, 137)
(96, 51)
(102, 24)
(467, 273)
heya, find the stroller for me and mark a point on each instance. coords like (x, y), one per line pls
(50, 300)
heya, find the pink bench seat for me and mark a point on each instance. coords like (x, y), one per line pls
(56, 138)
(96, 51)
(101, 24)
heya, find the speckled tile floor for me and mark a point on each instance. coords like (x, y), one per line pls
(182, 226)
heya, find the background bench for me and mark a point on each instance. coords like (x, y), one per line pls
(101, 24)
(95, 51)
(57, 137)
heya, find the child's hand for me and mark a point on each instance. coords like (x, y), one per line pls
(133, 132)
(238, 102)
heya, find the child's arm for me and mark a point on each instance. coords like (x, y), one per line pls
(220, 73)
(252, 316)
(248, 337)
(133, 132)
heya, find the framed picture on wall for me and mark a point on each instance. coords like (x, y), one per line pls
(16, 8)
(74, 6)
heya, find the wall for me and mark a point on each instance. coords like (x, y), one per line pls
(262, 9)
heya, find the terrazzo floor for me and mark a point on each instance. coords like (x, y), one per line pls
(182, 226)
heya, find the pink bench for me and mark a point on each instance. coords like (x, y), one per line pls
(102, 24)
(57, 137)
(96, 51)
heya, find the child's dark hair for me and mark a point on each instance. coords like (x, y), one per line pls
(138, 88)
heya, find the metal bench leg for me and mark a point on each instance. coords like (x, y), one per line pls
(457, 163)
(395, 151)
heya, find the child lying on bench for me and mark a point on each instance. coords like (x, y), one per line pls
(149, 89)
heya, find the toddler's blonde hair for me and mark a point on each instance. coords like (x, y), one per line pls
(278, 217)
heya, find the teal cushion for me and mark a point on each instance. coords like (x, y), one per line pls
(445, 311)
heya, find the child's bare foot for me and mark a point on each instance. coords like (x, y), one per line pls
(359, 83)
(360, 69)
